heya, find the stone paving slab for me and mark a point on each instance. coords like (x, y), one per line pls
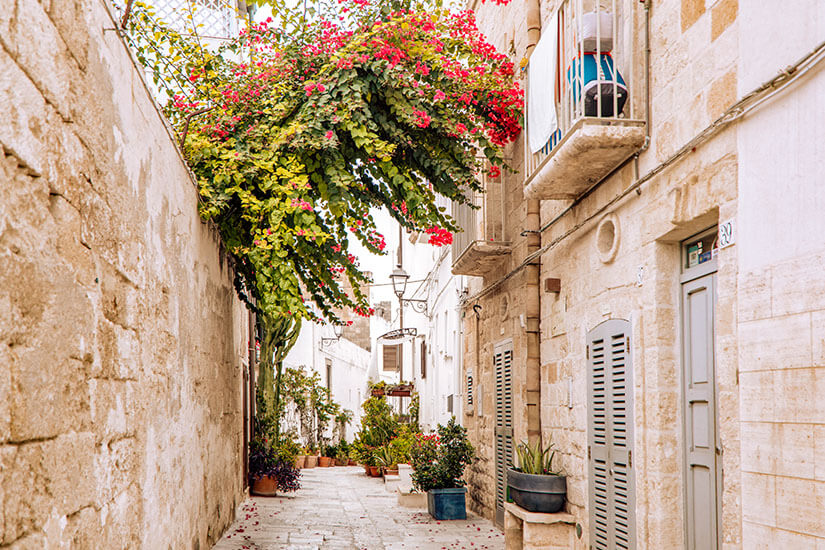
(340, 508)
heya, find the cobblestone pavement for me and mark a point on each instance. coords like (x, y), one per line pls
(341, 508)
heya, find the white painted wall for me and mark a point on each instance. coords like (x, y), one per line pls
(781, 151)
(350, 366)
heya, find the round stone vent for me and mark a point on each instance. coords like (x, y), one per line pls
(607, 238)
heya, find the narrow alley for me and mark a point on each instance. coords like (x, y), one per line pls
(341, 508)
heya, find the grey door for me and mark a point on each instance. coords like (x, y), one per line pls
(611, 481)
(702, 467)
(503, 364)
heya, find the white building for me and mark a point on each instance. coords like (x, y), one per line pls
(429, 359)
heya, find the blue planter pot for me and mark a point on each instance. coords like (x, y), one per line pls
(447, 503)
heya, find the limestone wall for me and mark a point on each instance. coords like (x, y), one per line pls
(764, 173)
(781, 284)
(121, 340)
(502, 318)
(693, 79)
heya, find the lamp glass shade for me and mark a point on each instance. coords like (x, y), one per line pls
(399, 281)
(339, 330)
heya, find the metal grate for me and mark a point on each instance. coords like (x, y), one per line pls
(601, 31)
(469, 387)
(484, 224)
(210, 18)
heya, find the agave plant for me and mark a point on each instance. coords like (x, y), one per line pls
(534, 459)
(386, 457)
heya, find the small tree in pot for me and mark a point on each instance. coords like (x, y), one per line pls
(438, 463)
(535, 486)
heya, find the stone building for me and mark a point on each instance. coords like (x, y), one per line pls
(124, 352)
(650, 294)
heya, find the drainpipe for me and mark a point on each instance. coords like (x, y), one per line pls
(647, 91)
(533, 25)
(532, 274)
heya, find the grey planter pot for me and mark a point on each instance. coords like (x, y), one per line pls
(537, 493)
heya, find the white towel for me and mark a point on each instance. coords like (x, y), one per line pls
(541, 93)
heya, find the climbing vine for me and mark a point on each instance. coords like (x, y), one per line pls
(299, 128)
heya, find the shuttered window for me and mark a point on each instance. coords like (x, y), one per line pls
(423, 359)
(469, 388)
(392, 357)
(610, 437)
(503, 365)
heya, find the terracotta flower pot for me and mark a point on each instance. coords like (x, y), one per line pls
(390, 471)
(340, 462)
(300, 461)
(352, 463)
(375, 471)
(323, 461)
(311, 461)
(366, 469)
(266, 487)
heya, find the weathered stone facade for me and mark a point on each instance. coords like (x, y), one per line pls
(761, 172)
(122, 344)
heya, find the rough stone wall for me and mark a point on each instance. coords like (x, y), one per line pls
(121, 339)
(693, 79)
(503, 310)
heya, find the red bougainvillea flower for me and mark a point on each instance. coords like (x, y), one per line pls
(409, 102)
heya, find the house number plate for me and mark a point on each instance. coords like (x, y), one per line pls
(727, 233)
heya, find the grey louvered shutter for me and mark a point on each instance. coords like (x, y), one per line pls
(503, 363)
(610, 437)
(423, 359)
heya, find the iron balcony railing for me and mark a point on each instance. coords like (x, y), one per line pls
(593, 70)
(483, 225)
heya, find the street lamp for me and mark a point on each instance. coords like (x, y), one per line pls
(399, 281)
(338, 330)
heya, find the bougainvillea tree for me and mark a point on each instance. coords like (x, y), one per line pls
(296, 133)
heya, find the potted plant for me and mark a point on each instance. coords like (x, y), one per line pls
(342, 453)
(311, 457)
(327, 456)
(535, 486)
(438, 462)
(387, 461)
(271, 469)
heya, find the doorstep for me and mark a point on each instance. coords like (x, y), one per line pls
(409, 499)
(525, 530)
(391, 482)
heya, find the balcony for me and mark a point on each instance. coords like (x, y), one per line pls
(580, 118)
(481, 245)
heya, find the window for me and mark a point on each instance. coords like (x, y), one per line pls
(700, 249)
(392, 357)
(329, 374)
(423, 359)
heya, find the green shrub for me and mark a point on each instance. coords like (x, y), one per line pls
(438, 461)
